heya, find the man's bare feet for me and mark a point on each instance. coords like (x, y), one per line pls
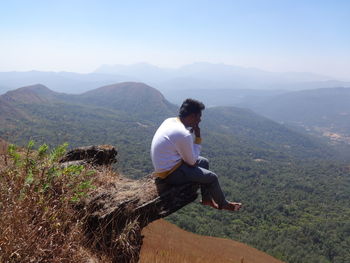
(232, 206)
(210, 203)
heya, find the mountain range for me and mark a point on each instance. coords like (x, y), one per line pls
(204, 76)
(229, 76)
(145, 106)
(68, 82)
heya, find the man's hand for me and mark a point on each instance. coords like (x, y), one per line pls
(197, 131)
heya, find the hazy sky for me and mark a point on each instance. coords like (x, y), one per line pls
(79, 36)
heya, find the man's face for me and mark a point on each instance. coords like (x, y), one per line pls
(195, 119)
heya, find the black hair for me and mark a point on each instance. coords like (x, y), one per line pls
(190, 106)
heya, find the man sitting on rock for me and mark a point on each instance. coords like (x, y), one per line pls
(176, 160)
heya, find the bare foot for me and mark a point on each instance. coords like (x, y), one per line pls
(232, 206)
(210, 203)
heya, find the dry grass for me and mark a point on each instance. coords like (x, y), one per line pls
(38, 221)
(3, 147)
(43, 217)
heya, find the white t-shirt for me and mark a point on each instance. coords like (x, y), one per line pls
(173, 143)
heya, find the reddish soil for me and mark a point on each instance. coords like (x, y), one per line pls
(165, 242)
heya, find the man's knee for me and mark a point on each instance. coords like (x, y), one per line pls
(203, 162)
(215, 177)
(212, 177)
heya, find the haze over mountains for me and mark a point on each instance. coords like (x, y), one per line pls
(204, 76)
(68, 82)
(226, 76)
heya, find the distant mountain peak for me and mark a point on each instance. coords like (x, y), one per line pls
(133, 97)
(124, 86)
(37, 93)
(131, 90)
(36, 87)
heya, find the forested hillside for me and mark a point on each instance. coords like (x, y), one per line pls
(323, 112)
(294, 190)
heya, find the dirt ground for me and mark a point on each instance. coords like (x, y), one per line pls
(165, 242)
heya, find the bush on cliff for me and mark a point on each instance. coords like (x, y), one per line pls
(38, 222)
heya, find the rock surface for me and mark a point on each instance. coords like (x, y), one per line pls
(115, 213)
(95, 155)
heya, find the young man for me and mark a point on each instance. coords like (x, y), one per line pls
(176, 160)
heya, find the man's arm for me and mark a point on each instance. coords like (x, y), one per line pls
(188, 150)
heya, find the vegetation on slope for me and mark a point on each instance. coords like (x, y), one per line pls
(318, 111)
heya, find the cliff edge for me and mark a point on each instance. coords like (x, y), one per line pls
(115, 213)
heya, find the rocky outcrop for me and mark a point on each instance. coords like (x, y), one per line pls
(115, 213)
(94, 155)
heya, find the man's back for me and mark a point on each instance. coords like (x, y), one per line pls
(171, 144)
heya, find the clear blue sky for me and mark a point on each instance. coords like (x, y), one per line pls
(80, 35)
